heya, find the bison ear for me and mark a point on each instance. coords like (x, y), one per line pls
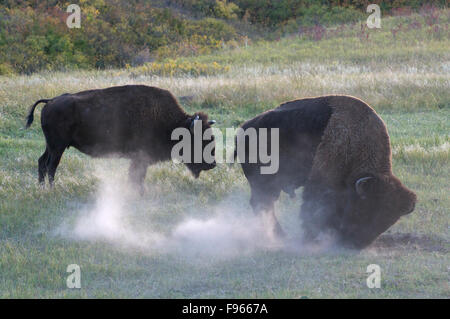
(363, 186)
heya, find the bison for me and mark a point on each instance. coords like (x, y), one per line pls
(338, 148)
(133, 121)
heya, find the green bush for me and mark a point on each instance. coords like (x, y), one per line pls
(35, 37)
(279, 12)
(6, 69)
(116, 33)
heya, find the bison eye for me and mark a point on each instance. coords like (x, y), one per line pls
(362, 186)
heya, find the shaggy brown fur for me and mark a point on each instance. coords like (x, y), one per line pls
(355, 145)
(345, 168)
(354, 142)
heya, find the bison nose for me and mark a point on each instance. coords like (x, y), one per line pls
(211, 165)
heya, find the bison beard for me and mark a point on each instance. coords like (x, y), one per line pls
(133, 121)
(339, 150)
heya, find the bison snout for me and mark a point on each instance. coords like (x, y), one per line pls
(412, 203)
(209, 166)
(412, 206)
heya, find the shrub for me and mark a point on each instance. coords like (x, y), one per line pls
(6, 69)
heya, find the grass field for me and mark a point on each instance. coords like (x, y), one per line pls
(198, 238)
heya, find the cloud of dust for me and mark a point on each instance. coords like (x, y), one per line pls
(230, 231)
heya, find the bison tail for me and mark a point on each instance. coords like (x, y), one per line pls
(30, 116)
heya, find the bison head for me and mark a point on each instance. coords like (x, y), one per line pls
(202, 144)
(373, 204)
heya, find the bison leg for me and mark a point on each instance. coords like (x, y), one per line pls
(309, 213)
(137, 172)
(273, 225)
(42, 170)
(263, 204)
(52, 164)
(318, 211)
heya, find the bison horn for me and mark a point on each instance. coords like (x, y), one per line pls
(212, 122)
(359, 186)
(193, 121)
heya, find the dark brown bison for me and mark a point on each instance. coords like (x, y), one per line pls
(133, 121)
(338, 148)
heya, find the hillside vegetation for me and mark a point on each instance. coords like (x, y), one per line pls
(117, 33)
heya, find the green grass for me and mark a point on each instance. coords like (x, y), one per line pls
(407, 82)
